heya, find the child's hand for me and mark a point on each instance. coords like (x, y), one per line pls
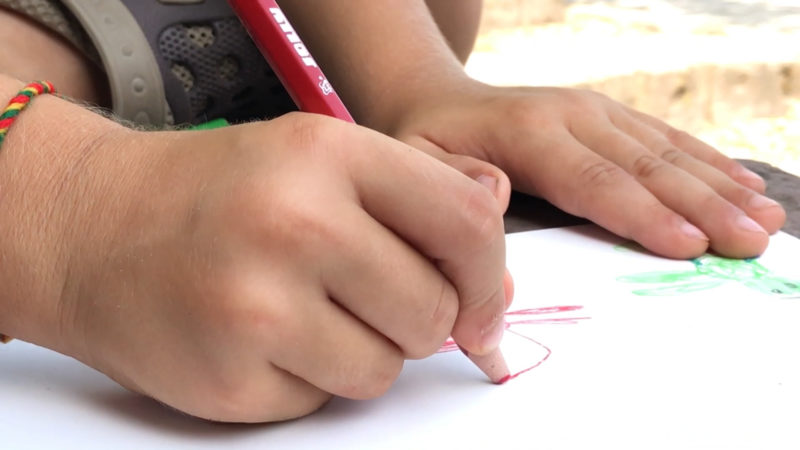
(248, 273)
(596, 158)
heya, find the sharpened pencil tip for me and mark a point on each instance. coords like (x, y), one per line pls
(503, 380)
(492, 364)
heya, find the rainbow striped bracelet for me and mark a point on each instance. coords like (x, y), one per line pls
(19, 102)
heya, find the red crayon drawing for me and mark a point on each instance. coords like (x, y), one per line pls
(514, 321)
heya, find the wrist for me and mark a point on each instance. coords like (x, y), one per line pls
(412, 93)
(44, 149)
(448, 102)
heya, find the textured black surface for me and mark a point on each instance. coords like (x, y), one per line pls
(529, 213)
(784, 188)
(250, 91)
(229, 76)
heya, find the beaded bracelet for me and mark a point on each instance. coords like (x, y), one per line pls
(19, 102)
(10, 114)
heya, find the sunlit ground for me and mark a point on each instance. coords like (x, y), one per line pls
(625, 47)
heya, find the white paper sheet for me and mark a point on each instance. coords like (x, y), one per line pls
(716, 367)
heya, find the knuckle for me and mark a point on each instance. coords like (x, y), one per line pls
(676, 136)
(483, 219)
(232, 402)
(445, 313)
(229, 396)
(292, 408)
(371, 378)
(273, 319)
(644, 166)
(724, 163)
(584, 101)
(306, 227)
(308, 132)
(671, 154)
(727, 165)
(260, 213)
(230, 300)
(239, 306)
(259, 401)
(437, 324)
(598, 174)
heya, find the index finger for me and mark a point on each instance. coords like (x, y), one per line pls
(448, 217)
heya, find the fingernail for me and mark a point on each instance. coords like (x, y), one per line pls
(760, 202)
(748, 224)
(693, 232)
(493, 334)
(489, 181)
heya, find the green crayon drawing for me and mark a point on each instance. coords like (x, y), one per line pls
(709, 272)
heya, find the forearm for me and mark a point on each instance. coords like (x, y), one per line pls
(459, 21)
(382, 56)
(31, 52)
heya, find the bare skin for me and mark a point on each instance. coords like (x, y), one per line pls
(33, 52)
(77, 77)
(587, 154)
(162, 257)
(458, 20)
(217, 248)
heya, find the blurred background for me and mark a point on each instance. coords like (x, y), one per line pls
(727, 71)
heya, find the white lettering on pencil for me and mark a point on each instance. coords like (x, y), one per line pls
(301, 50)
(292, 36)
(325, 86)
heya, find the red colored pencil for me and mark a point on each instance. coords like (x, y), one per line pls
(289, 58)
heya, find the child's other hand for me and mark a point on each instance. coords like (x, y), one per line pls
(596, 158)
(248, 273)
